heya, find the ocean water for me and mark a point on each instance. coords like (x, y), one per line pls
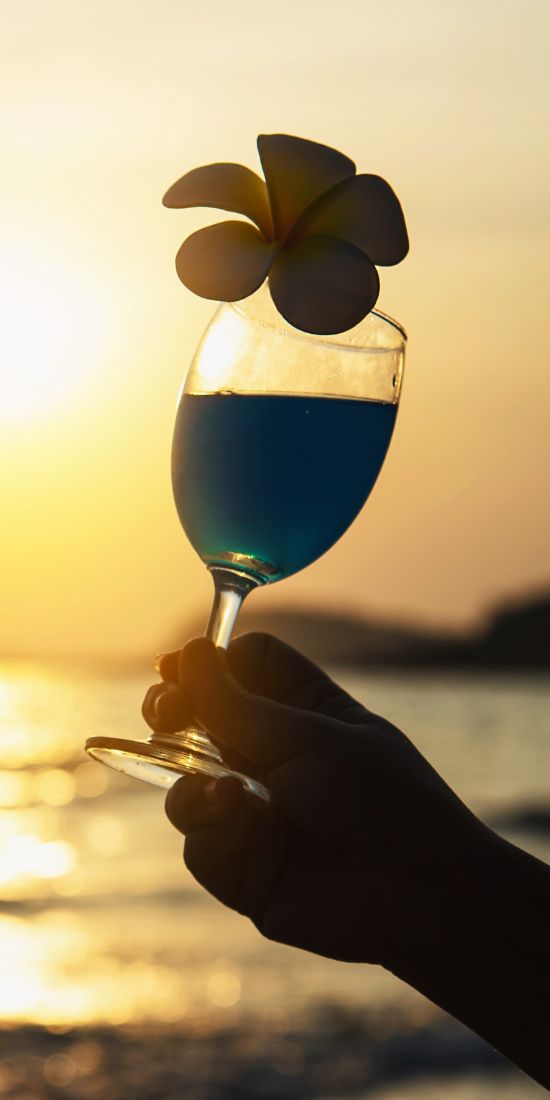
(113, 958)
(274, 478)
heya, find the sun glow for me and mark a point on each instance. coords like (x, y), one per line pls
(54, 322)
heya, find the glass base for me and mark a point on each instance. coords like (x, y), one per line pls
(164, 758)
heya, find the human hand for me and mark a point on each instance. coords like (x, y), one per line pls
(360, 829)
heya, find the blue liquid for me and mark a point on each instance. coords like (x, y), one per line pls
(278, 479)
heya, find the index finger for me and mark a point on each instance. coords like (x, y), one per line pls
(269, 667)
(262, 730)
(166, 664)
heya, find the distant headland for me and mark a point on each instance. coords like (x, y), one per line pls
(516, 636)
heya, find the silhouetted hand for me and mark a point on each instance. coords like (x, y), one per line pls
(365, 854)
(361, 827)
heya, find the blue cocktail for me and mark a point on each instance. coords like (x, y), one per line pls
(275, 480)
(279, 439)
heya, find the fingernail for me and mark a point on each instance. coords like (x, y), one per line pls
(158, 662)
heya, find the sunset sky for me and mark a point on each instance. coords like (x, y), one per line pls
(105, 105)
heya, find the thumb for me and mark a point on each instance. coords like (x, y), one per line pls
(266, 732)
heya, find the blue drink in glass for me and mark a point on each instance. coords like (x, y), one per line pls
(274, 479)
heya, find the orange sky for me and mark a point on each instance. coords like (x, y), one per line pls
(108, 104)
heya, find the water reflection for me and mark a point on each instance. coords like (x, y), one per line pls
(32, 733)
(52, 786)
(106, 835)
(90, 780)
(223, 984)
(25, 858)
(53, 974)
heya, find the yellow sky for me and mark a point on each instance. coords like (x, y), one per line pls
(104, 106)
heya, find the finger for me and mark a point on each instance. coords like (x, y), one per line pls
(266, 666)
(239, 861)
(198, 800)
(166, 664)
(166, 708)
(149, 705)
(264, 731)
(216, 856)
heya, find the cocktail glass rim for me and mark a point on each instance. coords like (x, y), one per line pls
(283, 328)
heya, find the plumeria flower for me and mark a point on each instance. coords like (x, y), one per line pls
(318, 230)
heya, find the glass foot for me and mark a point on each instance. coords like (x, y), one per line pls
(164, 758)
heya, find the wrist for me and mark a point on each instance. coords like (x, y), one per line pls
(453, 882)
(476, 944)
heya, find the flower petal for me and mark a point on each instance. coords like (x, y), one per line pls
(225, 262)
(323, 285)
(364, 211)
(226, 187)
(297, 171)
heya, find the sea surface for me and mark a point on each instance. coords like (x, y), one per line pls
(120, 976)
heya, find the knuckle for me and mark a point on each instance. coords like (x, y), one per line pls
(253, 639)
(249, 656)
(238, 707)
(171, 709)
(167, 701)
(148, 707)
(168, 666)
(253, 647)
(195, 647)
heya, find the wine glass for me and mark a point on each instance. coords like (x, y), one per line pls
(279, 438)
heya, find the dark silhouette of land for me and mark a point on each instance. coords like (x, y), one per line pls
(516, 636)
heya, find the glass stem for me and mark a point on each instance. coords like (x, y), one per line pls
(230, 589)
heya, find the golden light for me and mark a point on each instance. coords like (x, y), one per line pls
(15, 788)
(105, 835)
(59, 1070)
(223, 985)
(90, 780)
(25, 857)
(25, 697)
(55, 787)
(54, 324)
(55, 974)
